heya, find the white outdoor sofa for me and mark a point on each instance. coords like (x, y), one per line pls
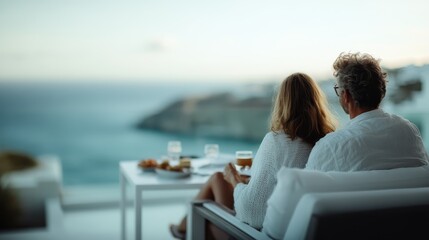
(377, 204)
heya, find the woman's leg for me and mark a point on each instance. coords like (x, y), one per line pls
(216, 189)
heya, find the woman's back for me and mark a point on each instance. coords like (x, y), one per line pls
(276, 150)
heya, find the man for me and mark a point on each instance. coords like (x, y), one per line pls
(372, 139)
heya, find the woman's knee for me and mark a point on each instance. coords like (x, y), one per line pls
(216, 177)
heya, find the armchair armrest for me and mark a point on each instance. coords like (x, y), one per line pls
(222, 217)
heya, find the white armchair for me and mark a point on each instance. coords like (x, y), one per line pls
(376, 214)
(202, 212)
(334, 205)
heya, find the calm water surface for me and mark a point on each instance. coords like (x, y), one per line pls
(91, 127)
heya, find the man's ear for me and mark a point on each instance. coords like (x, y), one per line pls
(347, 96)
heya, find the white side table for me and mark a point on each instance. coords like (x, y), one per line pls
(139, 180)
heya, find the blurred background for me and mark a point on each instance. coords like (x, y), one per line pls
(100, 81)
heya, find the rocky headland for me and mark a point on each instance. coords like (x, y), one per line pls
(219, 115)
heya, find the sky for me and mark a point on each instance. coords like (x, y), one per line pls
(194, 40)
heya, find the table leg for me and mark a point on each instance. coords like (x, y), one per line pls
(123, 205)
(138, 212)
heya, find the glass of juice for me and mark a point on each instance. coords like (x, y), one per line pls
(244, 158)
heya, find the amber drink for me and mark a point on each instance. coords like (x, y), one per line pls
(244, 158)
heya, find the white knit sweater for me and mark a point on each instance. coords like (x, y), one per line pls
(276, 150)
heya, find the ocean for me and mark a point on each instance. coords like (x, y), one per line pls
(91, 126)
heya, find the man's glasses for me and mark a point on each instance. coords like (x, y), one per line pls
(336, 89)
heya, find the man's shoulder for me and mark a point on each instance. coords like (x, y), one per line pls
(399, 122)
(402, 120)
(323, 156)
(335, 137)
(395, 118)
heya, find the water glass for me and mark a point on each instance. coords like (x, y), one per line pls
(174, 150)
(211, 151)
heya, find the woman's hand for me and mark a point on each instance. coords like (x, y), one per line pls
(231, 175)
(245, 179)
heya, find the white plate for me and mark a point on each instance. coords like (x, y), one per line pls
(172, 174)
(148, 169)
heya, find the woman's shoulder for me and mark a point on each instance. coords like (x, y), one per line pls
(277, 136)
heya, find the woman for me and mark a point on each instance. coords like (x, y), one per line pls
(300, 117)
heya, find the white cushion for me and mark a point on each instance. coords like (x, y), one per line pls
(292, 184)
(346, 202)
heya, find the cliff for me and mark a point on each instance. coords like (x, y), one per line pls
(218, 115)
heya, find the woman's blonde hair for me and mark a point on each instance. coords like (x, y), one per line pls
(301, 109)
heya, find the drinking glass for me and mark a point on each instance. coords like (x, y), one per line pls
(174, 149)
(244, 158)
(211, 151)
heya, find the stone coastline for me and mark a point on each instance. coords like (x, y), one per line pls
(218, 115)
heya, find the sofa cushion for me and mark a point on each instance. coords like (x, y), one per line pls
(292, 184)
(370, 214)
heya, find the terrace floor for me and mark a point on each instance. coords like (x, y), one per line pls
(94, 213)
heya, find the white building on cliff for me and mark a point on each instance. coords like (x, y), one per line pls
(408, 96)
